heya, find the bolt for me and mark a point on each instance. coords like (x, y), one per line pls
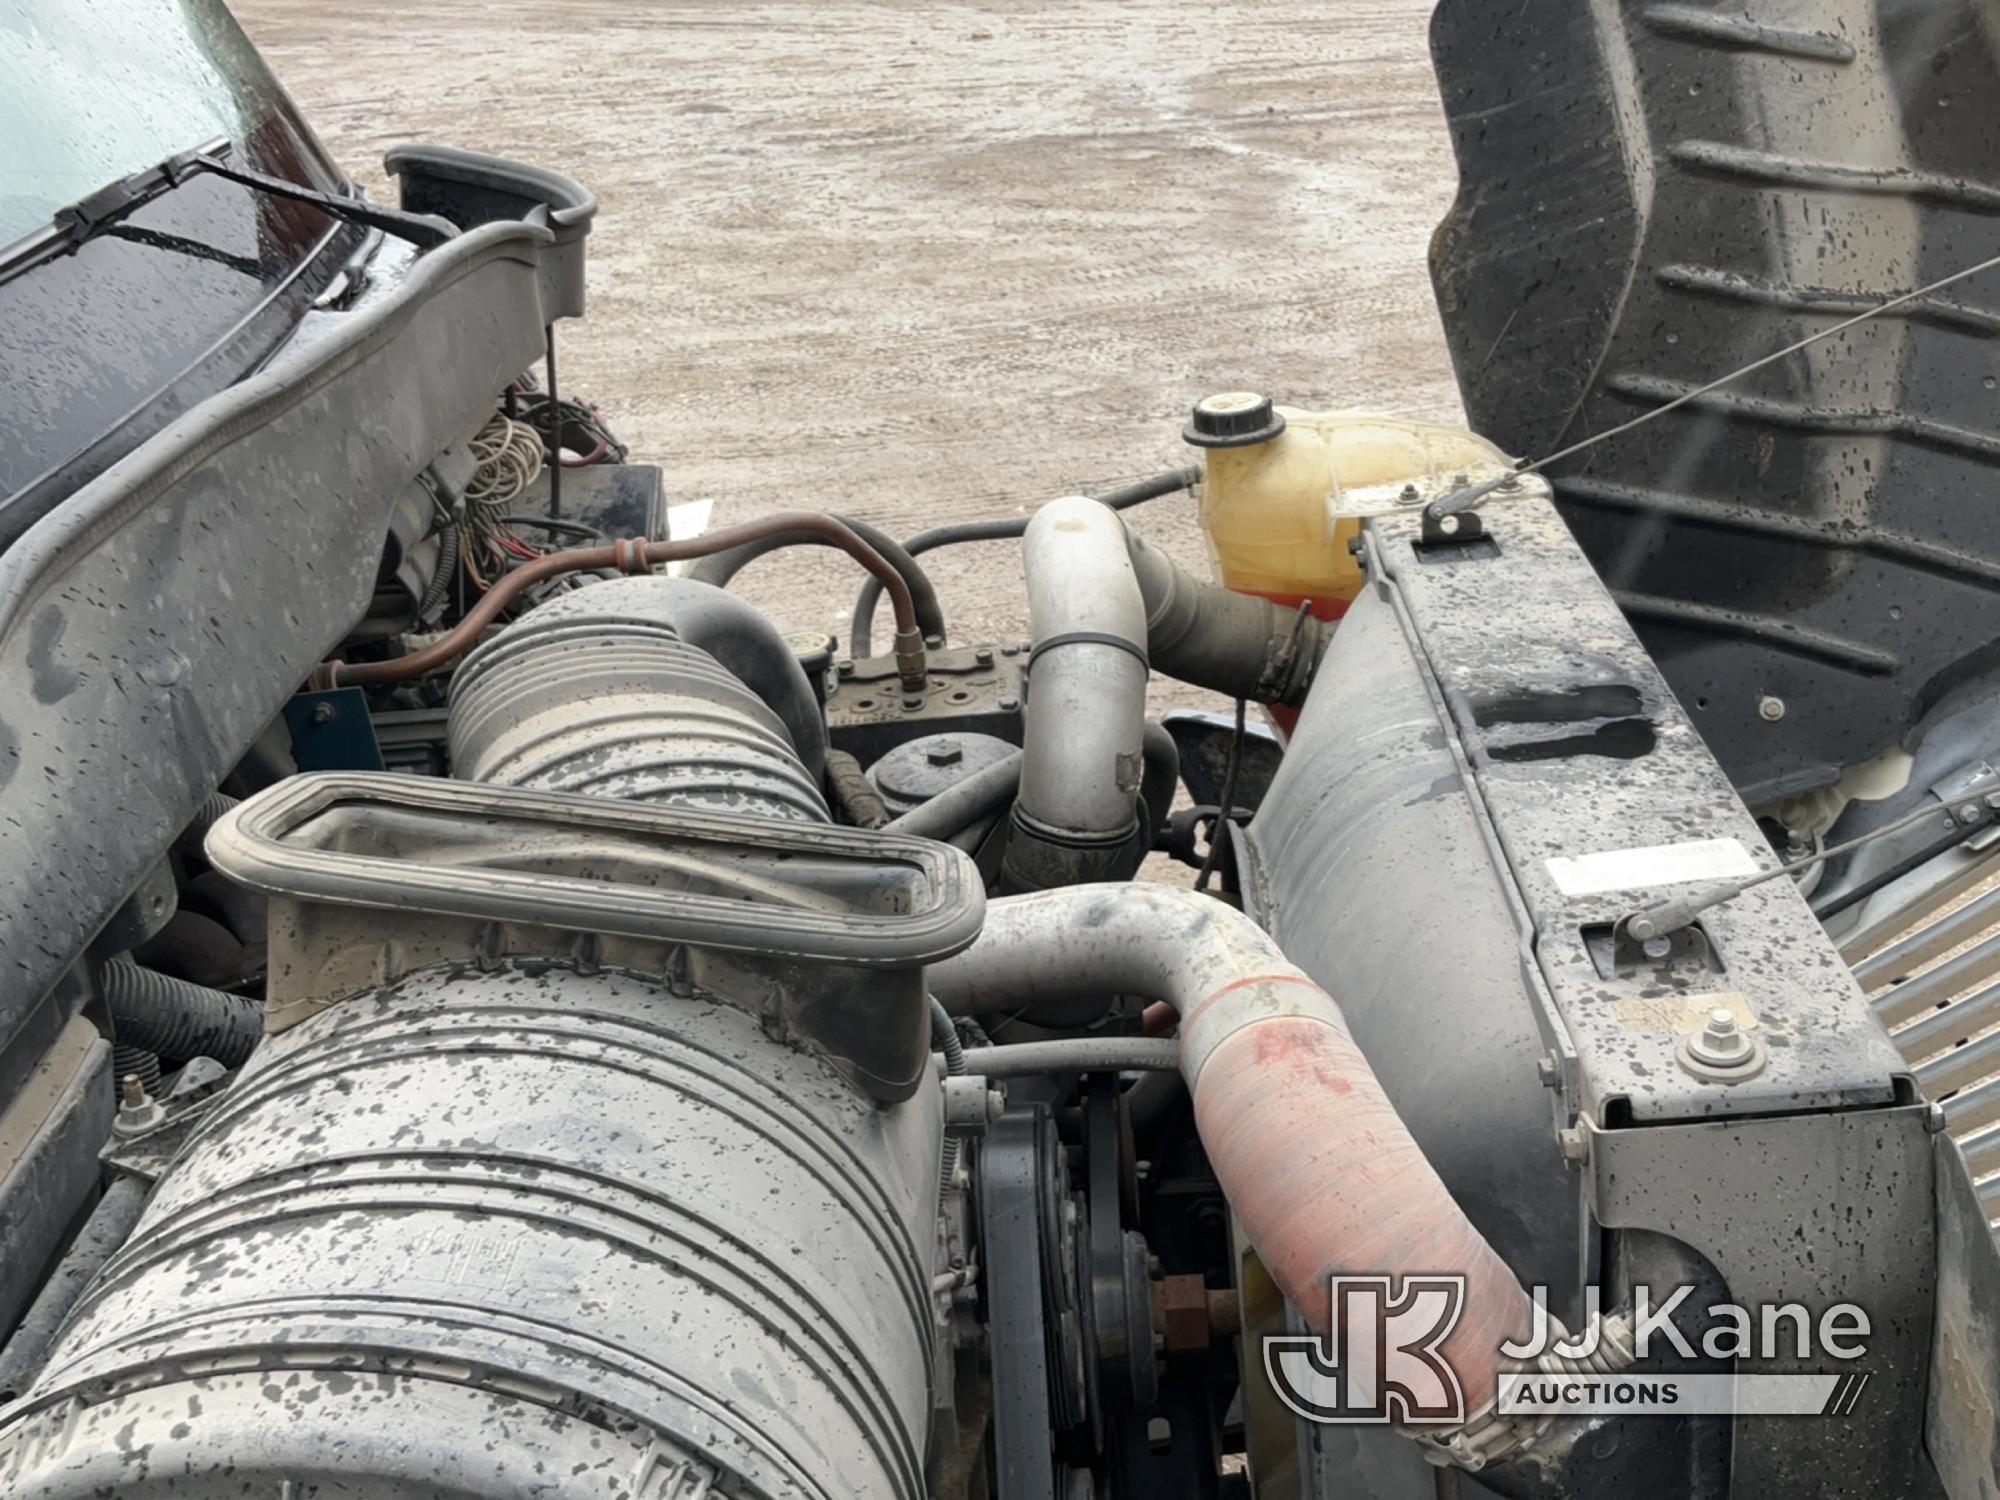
(844, 667)
(322, 713)
(1009, 650)
(1009, 703)
(1573, 1144)
(1935, 1120)
(1511, 482)
(1549, 1071)
(1721, 1043)
(1969, 814)
(983, 655)
(1410, 494)
(945, 755)
(1770, 708)
(137, 1111)
(1993, 800)
(912, 703)
(1460, 481)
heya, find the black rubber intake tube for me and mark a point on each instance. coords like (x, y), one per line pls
(719, 568)
(177, 1019)
(1218, 639)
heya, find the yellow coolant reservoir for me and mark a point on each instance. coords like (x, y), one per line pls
(1285, 491)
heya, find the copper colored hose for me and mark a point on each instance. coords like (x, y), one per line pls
(632, 555)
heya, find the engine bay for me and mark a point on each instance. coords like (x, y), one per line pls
(508, 1019)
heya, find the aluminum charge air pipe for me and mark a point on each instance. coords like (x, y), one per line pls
(1076, 816)
(1317, 1166)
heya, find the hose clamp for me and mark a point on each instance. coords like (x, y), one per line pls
(1486, 1438)
(1089, 638)
(1489, 1437)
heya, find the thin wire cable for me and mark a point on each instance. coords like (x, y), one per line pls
(1227, 810)
(1677, 911)
(1466, 498)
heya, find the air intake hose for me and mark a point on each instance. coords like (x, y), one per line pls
(540, 1224)
(1318, 1168)
(647, 689)
(176, 1019)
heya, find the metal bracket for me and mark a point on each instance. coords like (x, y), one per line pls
(1445, 528)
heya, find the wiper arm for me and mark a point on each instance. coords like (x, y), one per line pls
(421, 230)
(74, 226)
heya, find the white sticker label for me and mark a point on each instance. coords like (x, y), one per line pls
(1662, 864)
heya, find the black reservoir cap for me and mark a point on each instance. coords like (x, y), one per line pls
(1233, 419)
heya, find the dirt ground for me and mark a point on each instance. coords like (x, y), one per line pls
(933, 262)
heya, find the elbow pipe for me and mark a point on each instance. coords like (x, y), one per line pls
(178, 1019)
(1319, 1169)
(1218, 639)
(1076, 818)
(1105, 606)
(1005, 528)
(718, 568)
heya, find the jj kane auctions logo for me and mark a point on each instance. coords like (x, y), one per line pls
(1382, 1359)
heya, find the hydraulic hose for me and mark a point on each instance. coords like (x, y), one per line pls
(636, 555)
(1160, 773)
(719, 568)
(1319, 1169)
(853, 793)
(1076, 1054)
(861, 631)
(960, 806)
(177, 1019)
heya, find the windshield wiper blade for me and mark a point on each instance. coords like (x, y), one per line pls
(91, 216)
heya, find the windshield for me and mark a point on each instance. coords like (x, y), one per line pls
(92, 91)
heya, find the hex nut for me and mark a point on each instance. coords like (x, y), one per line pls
(1721, 1051)
(1180, 1313)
